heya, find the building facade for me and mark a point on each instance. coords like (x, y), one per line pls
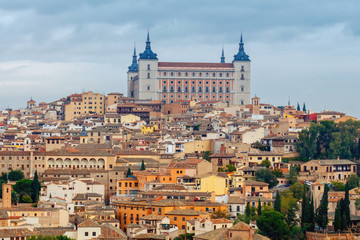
(170, 82)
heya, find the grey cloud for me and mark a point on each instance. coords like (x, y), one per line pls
(294, 45)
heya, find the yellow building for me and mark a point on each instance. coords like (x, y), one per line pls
(213, 182)
(255, 159)
(198, 146)
(146, 129)
(83, 104)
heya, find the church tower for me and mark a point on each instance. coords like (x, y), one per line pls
(242, 76)
(6, 195)
(131, 75)
(148, 74)
(255, 105)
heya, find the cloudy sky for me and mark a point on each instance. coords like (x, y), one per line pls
(306, 50)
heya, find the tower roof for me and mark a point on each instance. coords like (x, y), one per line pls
(241, 55)
(148, 53)
(134, 65)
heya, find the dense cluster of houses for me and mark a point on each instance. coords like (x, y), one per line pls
(113, 167)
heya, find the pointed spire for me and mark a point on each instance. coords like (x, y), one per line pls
(148, 53)
(148, 41)
(222, 56)
(241, 55)
(134, 65)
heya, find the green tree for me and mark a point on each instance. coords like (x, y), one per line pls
(297, 189)
(304, 108)
(277, 204)
(289, 207)
(242, 218)
(142, 165)
(230, 168)
(128, 173)
(298, 107)
(306, 146)
(13, 175)
(23, 186)
(339, 186)
(304, 209)
(26, 199)
(346, 207)
(265, 175)
(14, 197)
(293, 175)
(259, 208)
(321, 215)
(337, 218)
(277, 172)
(265, 163)
(248, 210)
(311, 212)
(272, 224)
(353, 181)
(36, 186)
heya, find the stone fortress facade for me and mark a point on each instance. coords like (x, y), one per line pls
(175, 81)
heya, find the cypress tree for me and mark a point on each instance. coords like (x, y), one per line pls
(311, 215)
(321, 216)
(343, 223)
(298, 107)
(304, 108)
(277, 204)
(346, 210)
(128, 174)
(248, 210)
(142, 166)
(259, 208)
(337, 219)
(35, 188)
(304, 208)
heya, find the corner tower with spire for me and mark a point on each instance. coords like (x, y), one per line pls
(148, 73)
(242, 69)
(132, 74)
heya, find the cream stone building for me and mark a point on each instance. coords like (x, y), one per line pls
(173, 81)
(84, 104)
(327, 170)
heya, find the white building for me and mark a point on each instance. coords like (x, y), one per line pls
(69, 189)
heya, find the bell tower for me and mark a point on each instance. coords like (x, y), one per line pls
(6, 195)
(242, 76)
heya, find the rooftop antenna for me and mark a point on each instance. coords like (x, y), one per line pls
(289, 101)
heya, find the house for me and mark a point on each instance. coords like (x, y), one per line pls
(207, 225)
(219, 161)
(327, 170)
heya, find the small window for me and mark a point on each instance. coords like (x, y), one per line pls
(148, 75)
(148, 67)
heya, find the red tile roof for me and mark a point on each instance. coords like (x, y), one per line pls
(195, 65)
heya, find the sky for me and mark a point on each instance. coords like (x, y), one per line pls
(308, 51)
